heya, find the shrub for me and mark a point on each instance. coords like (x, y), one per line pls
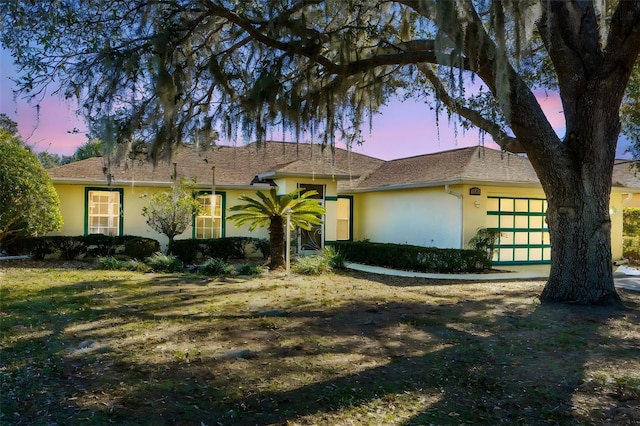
(248, 269)
(416, 258)
(485, 241)
(112, 263)
(162, 263)
(216, 267)
(334, 257)
(217, 248)
(141, 248)
(631, 248)
(312, 265)
(631, 231)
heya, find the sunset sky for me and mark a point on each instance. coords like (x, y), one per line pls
(402, 129)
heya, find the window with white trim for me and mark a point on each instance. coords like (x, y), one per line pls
(104, 212)
(208, 224)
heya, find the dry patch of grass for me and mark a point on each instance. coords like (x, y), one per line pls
(108, 347)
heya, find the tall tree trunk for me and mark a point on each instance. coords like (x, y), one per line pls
(276, 241)
(580, 231)
(578, 191)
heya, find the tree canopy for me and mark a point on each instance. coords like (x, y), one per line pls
(171, 212)
(186, 70)
(29, 205)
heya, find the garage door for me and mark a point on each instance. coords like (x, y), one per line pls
(524, 237)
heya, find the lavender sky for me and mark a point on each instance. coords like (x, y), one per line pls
(401, 129)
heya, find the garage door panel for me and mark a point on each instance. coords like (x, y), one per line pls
(522, 226)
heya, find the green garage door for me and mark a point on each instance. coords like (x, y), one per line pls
(524, 237)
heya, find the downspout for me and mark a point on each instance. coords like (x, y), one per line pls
(626, 200)
(459, 197)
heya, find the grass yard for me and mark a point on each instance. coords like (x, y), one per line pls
(83, 346)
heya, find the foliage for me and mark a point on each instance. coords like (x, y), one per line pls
(270, 210)
(248, 269)
(29, 204)
(630, 112)
(221, 248)
(334, 257)
(485, 241)
(631, 221)
(316, 264)
(413, 258)
(95, 245)
(631, 234)
(141, 248)
(216, 267)
(114, 264)
(49, 160)
(8, 125)
(171, 212)
(89, 149)
(160, 262)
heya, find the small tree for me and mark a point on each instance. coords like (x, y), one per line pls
(171, 212)
(29, 204)
(270, 211)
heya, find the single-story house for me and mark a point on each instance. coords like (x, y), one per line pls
(438, 200)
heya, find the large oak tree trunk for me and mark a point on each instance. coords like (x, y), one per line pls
(578, 190)
(580, 231)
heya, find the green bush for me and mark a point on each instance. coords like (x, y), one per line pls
(162, 263)
(414, 258)
(141, 248)
(631, 248)
(71, 247)
(631, 222)
(631, 232)
(334, 257)
(248, 269)
(312, 265)
(217, 248)
(216, 267)
(113, 263)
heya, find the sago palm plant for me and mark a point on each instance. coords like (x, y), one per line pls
(269, 210)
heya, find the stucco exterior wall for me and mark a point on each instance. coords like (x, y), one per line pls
(425, 217)
(72, 203)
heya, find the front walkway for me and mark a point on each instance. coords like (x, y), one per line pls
(532, 272)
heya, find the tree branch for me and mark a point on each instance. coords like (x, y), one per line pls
(508, 143)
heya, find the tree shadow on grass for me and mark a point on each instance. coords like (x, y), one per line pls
(478, 361)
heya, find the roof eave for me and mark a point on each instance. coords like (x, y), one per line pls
(333, 176)
(433, 184)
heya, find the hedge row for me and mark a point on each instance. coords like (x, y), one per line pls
(71, 247)
(219, 248)
(413, 258)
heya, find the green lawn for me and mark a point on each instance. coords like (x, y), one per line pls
(106, 347)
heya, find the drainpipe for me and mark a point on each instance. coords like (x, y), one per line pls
(626, 200)
(459, 197)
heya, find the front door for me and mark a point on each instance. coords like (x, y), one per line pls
(312, 240)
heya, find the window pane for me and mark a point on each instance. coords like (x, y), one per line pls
(343, 218)
(209, 223)
(103, 212)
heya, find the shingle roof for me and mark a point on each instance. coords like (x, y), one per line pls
(239, 165)
(626, 174)
(477, 164)
(234, 165)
